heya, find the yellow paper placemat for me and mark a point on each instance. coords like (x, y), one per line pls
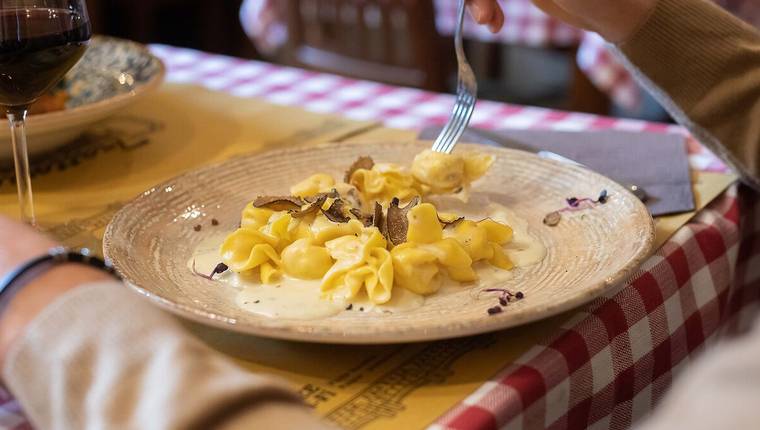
(177, 129)
(181, 128)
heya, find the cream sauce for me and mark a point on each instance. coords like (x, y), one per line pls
(293, 298)
(524, 250)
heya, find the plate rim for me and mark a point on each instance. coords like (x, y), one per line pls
(493, 323)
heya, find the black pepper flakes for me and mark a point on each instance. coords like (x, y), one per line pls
(214, 221)
(503, 301)
(361, 309)
(257, 301)
(197, 227)
(349, 307)
(494, 310)
(519, 295)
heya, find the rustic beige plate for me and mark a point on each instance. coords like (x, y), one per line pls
(151, 240)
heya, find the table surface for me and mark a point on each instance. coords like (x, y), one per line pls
(613, 360)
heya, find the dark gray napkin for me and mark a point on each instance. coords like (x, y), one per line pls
(658, 163)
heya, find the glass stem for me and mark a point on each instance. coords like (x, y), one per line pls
(17, 119)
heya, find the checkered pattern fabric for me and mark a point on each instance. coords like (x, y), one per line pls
(524, 24)
(615, 358)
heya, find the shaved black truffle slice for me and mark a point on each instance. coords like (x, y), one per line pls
(378, 220)
(335, 212)
(366, 219)
(279, 203)
(361, 163)
(396, 221)
(313, 207)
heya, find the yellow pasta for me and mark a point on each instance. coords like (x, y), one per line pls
(254, 217)
(475, 166)
(256, 246)
(483, 241)
(323, 230)
(352, 260)
(384, 182)
(474, 239)
(301, 259)
(445, 173)
(415, 269)
(418, 262)
(247, 249)
(313, 185)
(281, 230)
(423, 224)
(362, 264)
(497, 232)
(269, 273)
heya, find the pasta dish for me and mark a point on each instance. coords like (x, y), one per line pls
(380, 239)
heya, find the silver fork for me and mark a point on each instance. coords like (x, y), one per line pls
(467, 93)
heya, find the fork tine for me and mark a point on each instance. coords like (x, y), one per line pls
(450, 130)
(454, 125)
(461, 108)
(461, 126)
(466, 97)
(443, 138)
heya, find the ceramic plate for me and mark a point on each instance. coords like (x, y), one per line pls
(112, 74)
(152, 238)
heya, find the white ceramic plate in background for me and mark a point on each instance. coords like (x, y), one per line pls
(111, 75)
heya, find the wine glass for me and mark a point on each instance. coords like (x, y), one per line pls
(40, 40)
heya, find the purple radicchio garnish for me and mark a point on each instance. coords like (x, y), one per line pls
(220, 268)
(505, 298)
(575, 204)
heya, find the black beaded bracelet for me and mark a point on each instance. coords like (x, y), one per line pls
(55, 256)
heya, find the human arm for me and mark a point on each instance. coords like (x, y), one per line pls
(614, 20)
(700, 62)
(81, 351)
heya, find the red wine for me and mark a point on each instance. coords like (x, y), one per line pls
(37, 48)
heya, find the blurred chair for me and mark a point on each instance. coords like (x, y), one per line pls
(391, 41)
(199, 24)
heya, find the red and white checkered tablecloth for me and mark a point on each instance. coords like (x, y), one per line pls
(615, 358)
(524, 25)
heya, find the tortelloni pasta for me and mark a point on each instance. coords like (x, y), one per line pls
(257, 244)
(446, 173)
(313, 185)
(385, 181)
(362, 264)
(362, 250)
(428, 250)
(304, 260)
(484, 240)
(431, 173)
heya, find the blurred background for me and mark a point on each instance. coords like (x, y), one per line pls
(533, 61)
